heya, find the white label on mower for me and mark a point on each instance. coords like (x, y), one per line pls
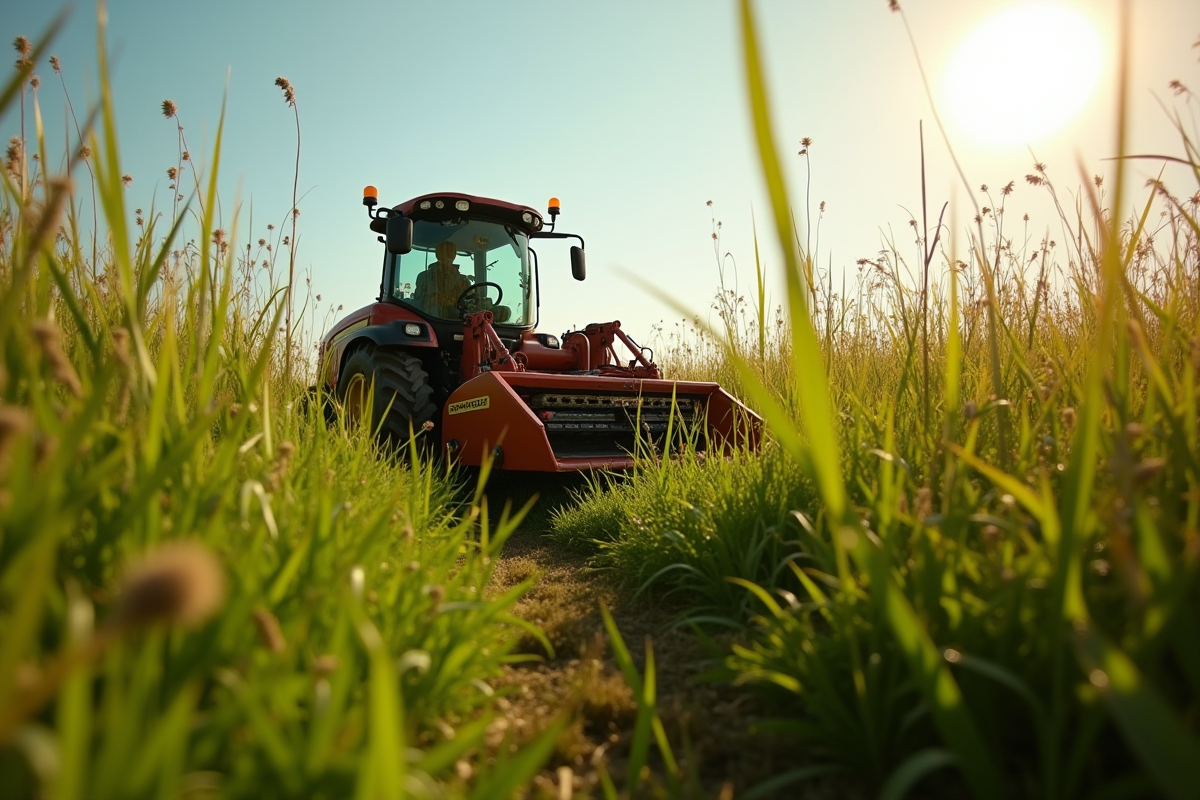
(474, 404)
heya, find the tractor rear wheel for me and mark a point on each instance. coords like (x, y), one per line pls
(403, 398)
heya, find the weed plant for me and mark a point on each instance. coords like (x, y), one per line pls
(991, 585)
(205, 590)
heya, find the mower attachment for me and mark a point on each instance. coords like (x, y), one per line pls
(548, 422)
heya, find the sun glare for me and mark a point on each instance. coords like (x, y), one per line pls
(1024, 73)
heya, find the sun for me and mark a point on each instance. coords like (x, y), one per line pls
(1024, 73)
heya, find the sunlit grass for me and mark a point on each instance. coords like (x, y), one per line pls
(990, 581)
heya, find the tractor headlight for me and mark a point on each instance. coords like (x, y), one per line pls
(412, 329)
(527, 218)
(439, 204)
(425, 204)
(462, 205)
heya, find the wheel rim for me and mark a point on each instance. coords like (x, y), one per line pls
(355, 399)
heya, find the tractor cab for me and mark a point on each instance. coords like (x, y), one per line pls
(450, 255)
(461, 265)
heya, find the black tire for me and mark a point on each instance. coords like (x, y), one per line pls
(401, 382)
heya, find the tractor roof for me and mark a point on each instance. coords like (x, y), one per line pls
(511, 213)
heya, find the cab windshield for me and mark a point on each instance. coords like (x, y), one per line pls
(450, 257)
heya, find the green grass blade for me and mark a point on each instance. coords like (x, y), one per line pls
(1168, 750)
(512, 774)
(772, 786)
(914, 768)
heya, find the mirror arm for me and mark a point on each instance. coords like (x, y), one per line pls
(553, 235)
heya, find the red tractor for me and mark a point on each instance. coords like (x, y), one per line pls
(450, 346)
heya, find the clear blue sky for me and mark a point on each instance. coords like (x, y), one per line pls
(633, 113)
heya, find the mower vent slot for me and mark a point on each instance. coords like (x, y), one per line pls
(599, 425)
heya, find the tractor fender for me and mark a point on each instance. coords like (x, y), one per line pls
(387, 334)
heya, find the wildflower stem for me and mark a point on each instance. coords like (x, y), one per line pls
(292, 250)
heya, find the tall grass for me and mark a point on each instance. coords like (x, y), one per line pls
(991, 587)
(205, 590)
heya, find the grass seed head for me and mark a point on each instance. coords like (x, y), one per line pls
(924, 503)
(325, 665)
(289, 91)
(15, 422)
(169, 109)
(49, 341)
(269, 632)
(120, 349)
(12, 155)
(179, 583)
(1147, 470)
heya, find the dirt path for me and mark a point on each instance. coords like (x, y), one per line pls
(707, 722)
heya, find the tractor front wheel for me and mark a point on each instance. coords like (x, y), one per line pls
(403, 398)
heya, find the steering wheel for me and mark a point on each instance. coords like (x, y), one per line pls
(461, 304)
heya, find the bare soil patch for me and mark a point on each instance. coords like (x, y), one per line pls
(709, 724)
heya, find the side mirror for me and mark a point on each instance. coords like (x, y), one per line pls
(578, 266)
(399, 235)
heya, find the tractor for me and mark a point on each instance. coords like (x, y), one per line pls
(449, 352)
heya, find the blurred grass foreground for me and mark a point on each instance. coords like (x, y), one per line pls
(204, 588)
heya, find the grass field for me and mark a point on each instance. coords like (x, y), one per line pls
(964, 564)
(967, 561)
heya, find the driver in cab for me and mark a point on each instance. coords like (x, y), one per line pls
(439, 287)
